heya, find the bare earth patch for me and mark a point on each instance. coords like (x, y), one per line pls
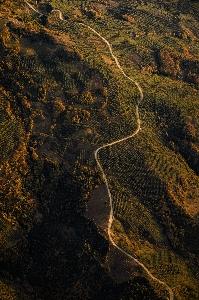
(120, 266)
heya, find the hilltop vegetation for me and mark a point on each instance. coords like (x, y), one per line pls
(62, 97)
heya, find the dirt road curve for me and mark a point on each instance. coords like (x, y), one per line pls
(111, 216)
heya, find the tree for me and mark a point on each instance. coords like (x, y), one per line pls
(86, 98)
(189, 131)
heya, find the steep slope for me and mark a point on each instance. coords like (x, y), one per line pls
(62, 97)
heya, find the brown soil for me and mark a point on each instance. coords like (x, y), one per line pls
(98, 207)
(136, 58)
(120, 266)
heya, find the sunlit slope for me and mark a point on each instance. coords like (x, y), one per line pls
(153, 169)
(150, 199)
(71, 99)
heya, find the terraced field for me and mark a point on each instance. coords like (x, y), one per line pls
(139, 171)
(81, 104)
(152, 168)
(132, 182)
(9, 134)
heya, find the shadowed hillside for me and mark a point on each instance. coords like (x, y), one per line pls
(62, 97)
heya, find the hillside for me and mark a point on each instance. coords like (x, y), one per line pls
(62, 96)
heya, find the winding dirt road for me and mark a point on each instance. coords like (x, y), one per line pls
(60, 14)
(111, 216)
(32, 7)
